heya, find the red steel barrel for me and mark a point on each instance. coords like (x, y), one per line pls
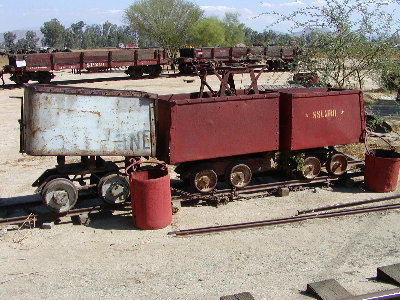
(381, 170)
(151, 198)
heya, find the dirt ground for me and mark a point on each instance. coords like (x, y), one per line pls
(110, 259)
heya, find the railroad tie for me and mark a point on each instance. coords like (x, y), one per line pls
(240, 296)
(328, 289)
(389, 274)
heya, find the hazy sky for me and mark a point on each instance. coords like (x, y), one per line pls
(31, 14)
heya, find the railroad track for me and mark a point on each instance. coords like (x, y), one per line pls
(73, 212)
(288, 220)
(268, 188)
(217, 197)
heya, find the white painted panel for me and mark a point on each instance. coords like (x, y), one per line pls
(67, 124)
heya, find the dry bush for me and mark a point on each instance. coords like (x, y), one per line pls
(3, 60)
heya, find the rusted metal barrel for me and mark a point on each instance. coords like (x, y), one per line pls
(381, 170)
(151, 198)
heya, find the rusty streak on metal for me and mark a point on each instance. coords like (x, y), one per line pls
(287, 220)
(92, 112)
(89, 91)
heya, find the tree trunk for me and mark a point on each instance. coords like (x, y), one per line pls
(398, 95)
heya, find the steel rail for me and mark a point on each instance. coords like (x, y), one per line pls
(74, 212)
(387, 294)
(347, 204)
(273, 185)
(286, 220)
(226, 192)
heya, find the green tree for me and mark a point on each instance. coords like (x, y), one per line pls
(9, 40)
(74, 35)
(347, 40)
(234, 30)
(21, 44)
(92, 37)
(167, 23)
(54, 34)
(390, 77)
(267, 37)
(208, 32)
(31, 39)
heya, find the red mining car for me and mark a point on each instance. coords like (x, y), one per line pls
(227, 134)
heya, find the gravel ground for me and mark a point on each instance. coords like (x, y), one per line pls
(111, 259)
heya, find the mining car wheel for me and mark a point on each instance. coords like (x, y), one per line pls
(204, 180)
(311, 167)
(44, 77)
(135, 72)
(238, 175)
(155, 70)
(113, 188)
(337, 164)
(21, 79)
(59, 195)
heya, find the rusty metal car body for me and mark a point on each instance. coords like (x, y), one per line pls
(38, 66)
(231, 133)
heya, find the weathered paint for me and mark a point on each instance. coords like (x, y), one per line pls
(82, 122)
(320, 117)
(90, 59)
(205, 128)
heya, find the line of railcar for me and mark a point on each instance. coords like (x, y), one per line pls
(209, 136)
(40, 66)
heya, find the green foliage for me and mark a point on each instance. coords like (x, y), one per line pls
(376, 123)
(390, 77)
(31, 40)
(345, 40)
(9, 40)
(295, 164)
(75, 35)
(212, 32)
(265, 38)
(207, 32)
(82, 36)
(28, 43)
(167, 23)
(234, 30)
(54, 34)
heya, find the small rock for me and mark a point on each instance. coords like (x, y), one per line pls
(48, 225)
(83, 219)
(349, 182)
(283, 192)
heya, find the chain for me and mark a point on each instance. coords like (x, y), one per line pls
(261, 195)
(183, 193)
(225, 198)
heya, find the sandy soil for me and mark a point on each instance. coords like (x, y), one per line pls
(110, 259)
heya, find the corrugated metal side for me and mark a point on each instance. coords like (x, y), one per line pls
(319, 118)
(84, 124)
(206, 128)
